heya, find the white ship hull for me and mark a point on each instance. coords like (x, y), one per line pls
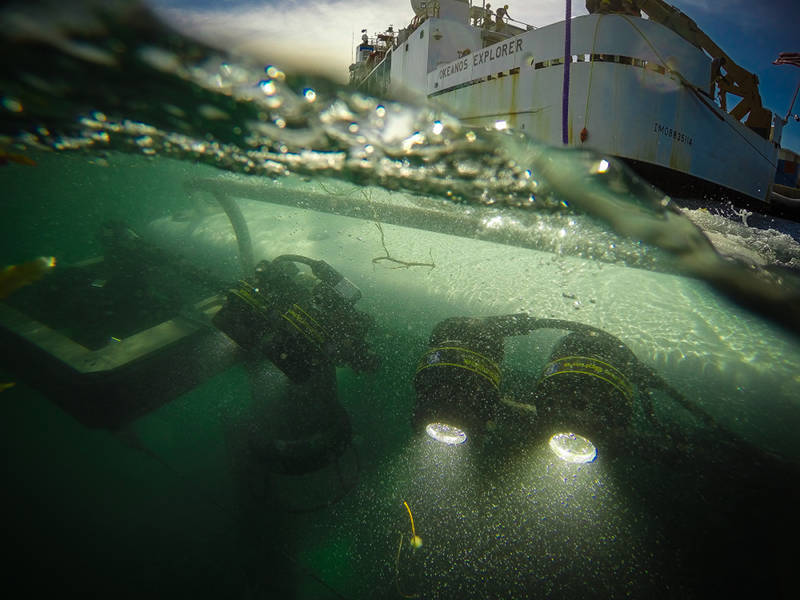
(638, 89)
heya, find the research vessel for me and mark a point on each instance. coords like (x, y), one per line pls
(636, 80)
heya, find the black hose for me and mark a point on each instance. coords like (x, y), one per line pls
(321, 270)
(296, 258)
(241, 230)
(646, 379)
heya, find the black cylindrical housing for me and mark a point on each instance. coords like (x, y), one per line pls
(299, 328)
(457, 380)
(285, 333)
(586, 387)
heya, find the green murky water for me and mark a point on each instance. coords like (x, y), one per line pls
(177, 502)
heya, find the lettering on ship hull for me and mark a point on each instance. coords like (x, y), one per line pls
(483, 57)
(678, 136)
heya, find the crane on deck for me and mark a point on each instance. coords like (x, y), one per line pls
(727, 76)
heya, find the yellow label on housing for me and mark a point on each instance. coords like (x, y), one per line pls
(586, 365)
(305, 324)
(462, 358)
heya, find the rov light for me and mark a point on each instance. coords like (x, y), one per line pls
(586, 386)
(458, 379)
(447, 434)
(573, 448)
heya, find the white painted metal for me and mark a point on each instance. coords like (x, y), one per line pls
(653, 107)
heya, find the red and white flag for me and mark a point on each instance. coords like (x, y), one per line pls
(788, 58)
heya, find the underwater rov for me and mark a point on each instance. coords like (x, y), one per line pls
(584, 396)
(586, 387)
(116, 336)
(299, 324)
(458, 379)
(306, 326)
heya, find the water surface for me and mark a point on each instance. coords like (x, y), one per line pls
(129, 121)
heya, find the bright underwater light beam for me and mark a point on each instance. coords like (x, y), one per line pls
(573, 448)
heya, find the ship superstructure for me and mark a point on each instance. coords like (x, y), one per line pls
(640, 81)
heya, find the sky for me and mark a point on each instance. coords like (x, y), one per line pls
(319, 35)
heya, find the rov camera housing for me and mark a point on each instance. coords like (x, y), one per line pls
(299, 323)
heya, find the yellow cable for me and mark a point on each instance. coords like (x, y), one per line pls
(397, 572)
(416, 541)
(410, 516)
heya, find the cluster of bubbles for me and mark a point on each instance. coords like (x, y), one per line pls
(108, 76)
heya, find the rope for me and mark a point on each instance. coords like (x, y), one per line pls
(591, 72)
(696, 91)
(791, 106)
(652, 47)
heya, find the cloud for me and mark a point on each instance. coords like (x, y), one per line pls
(311, 36)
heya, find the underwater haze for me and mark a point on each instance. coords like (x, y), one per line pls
(166, 179)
